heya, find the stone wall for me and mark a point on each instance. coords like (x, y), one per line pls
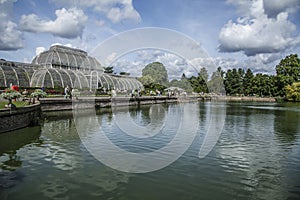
(254, 99)
(55, 104)
(19, 118)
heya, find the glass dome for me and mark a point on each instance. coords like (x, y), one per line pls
(65, 57)
(62, 66)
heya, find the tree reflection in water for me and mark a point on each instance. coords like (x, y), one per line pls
(286, 124)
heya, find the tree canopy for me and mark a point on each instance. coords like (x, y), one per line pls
(235, 81)
(293, 91)
(157, 72)
(287, 71)
(108, 70)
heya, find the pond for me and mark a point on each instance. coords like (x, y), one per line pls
(254, 153)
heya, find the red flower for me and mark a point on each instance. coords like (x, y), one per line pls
(15, 87)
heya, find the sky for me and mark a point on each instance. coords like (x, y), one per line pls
(253, 34)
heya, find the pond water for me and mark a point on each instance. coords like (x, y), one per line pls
(256, 156)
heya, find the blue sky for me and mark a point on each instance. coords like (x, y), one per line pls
(252, 34)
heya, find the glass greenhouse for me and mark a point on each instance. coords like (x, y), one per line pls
(113, 82)
(65, 57)
(53, 78)
(11, 74)
(62, 66)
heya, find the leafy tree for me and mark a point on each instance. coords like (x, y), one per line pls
(216, 83)
(293, 91)
(287, 71)
(174, 83)
(108, 70)
(125, 73)
(157, 72)
(150, 84)
(204, 74)
(248, 82)
(183, 83)
(234, 81)
(198, 84)
(272, 82)
(147, 80)
(262, 84)
(240, 77)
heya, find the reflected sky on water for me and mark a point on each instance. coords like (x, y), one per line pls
(257, 156)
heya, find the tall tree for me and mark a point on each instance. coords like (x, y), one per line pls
(199, 83)
(216, 83)
(234, 81)
(262, 85)
(247, 82)
(288, 71)
(203, 72)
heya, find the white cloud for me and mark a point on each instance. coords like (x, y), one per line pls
(176, 66)
(111, 58)
(117, 14)
(69, 45)
(211, 64)
(268, 58)
(100, 23)
(261, 63)
(271, 7)
(135, 62)
(255, 33)
(274, 7)
(257, 65)
(68, 23)
(66, 45)
(10, 36)
(39, 50)
(124, 65)
(114, 10)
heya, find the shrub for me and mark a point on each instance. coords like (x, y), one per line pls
(38, 93)
(10, 94)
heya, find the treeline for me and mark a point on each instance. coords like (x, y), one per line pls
(244, 82)
(234, 82)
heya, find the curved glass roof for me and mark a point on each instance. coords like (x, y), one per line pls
(52, 78)
(65, 57)
(109, 82)
(10, 74)
(62, 66)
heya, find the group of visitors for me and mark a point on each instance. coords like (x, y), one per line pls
(136, 93)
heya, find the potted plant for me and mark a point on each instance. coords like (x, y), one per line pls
(38, 93)
(10, 94)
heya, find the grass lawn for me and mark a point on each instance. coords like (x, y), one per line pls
(17, 103)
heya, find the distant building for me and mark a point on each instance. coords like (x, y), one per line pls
(61, 66)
